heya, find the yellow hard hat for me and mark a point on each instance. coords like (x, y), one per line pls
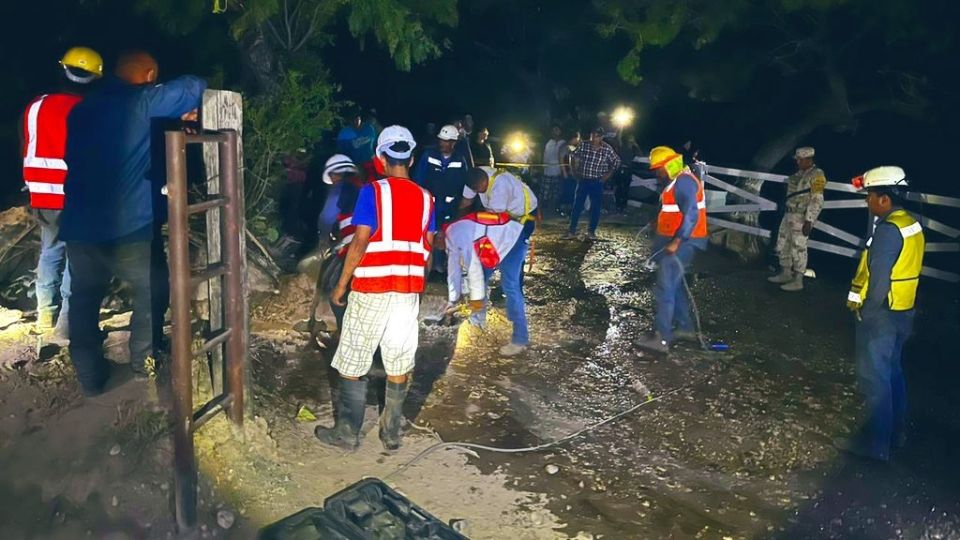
(83, 58)
(668, 158)
(662, 155)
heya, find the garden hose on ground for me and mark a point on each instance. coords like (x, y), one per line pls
(469, 447)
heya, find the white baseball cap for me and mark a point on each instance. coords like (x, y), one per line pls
(449, 132)
(392, 135)
(804, 152)
(338, 163)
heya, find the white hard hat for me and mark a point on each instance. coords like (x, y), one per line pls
(804, 152)
(392, 135)
(338, 163)
(886, 176)
(449, 132)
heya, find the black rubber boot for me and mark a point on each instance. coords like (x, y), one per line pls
(345, 434)
(391, 419)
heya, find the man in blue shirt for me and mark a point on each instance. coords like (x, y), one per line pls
(357, 139)
(112, 215)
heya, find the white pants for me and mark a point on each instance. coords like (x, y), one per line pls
(385, 320)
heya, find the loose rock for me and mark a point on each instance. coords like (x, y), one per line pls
(225, 519)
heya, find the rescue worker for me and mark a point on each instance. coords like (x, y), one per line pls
(502, 192)
(476, 245)
(883, 298)
(112, 217)
(44, 143)
(442, 170)
(385, 267)
(681, 232)
(343, 177)
(803, 204)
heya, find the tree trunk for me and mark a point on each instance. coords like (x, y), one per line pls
(261, 60)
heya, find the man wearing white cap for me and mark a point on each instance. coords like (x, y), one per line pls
(803, 204)
(385, 268)
(342, 175)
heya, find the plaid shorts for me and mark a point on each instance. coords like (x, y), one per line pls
(387, 320)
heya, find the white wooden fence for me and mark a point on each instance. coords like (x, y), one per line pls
(850, 244)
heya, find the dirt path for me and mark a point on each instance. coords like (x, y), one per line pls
(738, 447)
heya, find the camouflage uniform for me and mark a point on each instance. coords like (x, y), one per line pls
(804, 206)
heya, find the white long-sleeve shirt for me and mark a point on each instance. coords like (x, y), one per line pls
(505, 193)
(459, 238)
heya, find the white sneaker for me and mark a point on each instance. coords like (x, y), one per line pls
(512, 349)
(569, 236)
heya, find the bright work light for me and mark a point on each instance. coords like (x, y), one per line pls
(517, 142)
(622, 117)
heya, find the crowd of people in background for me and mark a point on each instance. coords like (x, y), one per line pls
(392, 215)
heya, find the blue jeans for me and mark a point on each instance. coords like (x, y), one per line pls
(673, 306)
(53, 274)
(592, 188)
(511, 278)
(879, 343)
(568, 188)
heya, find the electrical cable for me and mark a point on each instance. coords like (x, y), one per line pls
(650, 399)
(544, 446)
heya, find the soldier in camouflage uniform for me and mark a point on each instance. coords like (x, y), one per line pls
(803, 204)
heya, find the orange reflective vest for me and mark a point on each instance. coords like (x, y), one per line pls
(396, 257)
(44, 148)
(670, 218)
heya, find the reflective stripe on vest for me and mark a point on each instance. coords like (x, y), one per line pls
(45, 140)
(671, 218)
(347, 228)
(527, 203)
(905, 275)
(395, 258)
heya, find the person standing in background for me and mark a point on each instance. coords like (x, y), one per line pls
(482, 151)
(552, 172)
(357, 138)
(568, 184)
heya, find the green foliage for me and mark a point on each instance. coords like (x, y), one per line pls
(178, 17)
(277, 124)
(399, 26)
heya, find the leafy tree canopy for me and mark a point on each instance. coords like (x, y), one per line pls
(830, 61)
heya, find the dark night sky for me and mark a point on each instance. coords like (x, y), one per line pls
(511, 67)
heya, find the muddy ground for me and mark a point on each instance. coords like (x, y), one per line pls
(733, 444)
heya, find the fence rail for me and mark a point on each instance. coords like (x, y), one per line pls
(853, 243)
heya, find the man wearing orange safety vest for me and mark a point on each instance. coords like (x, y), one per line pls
(385, 268)
(681, 231)
(44, 137)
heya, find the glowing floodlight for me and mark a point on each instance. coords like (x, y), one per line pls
(622, 117)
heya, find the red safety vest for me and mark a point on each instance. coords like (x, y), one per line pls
(345, 222)
(670, 218)
(44, 147)
(396, 257)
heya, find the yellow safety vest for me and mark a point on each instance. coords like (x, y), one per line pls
(905, 275)
(526, 197)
